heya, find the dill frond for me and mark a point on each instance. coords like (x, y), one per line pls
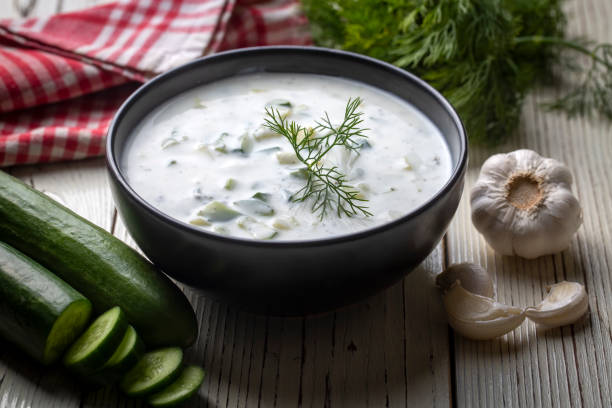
(483, 55)
(326, 186)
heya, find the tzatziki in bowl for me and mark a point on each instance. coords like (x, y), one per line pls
(287, 180)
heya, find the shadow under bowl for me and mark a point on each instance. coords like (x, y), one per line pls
(288, 277)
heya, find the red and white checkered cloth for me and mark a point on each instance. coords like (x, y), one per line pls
(63, 77)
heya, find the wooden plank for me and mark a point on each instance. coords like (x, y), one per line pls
(562, 367)
(384, 352)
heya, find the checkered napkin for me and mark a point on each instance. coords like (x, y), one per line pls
(63, 77)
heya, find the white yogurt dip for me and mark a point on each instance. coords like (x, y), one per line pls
(205, 158)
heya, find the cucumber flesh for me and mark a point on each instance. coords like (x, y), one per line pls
(154, 371)
(128, 353)
(180, 390)
(39, 312)
(94, 347)
(66, 328)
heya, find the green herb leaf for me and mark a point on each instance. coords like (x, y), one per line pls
(325, 186)
(483, 55)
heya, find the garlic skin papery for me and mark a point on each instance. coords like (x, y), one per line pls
(479, 317)
(565, 303)
(522, 204)
(473, 278)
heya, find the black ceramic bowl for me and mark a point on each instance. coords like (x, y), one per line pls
(291, 277)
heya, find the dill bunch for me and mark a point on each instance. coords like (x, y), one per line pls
(483, 55)
(325, 185)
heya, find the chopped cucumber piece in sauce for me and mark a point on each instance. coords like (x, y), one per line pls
(269, 150)
(229, 184)
(287, 158)
(255, 206)
(200, 222)
(300, 173)
(258, 230)
(262, 196)
(279, 102)
(166, 143)
(216, 211)
(246, 144)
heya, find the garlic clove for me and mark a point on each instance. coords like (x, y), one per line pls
(565, 303)
(478, 317)
(473, 278)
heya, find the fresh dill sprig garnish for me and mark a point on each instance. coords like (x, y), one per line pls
(325, 185)
(483, 55)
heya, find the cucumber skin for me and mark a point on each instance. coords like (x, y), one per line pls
(31, 300)
(157, 399)
(95, 263)
(126, 383)
(96, 359)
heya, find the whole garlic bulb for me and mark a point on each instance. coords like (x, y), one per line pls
(522, 204)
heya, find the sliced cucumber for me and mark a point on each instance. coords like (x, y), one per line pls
(38, 311)
(130, 350)
(154, 371)
(93, 349)
(97, 264)
(180, 390)
(127, 354)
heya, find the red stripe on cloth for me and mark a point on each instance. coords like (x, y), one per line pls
(34, 83)
(148, 13)
(150, 41)
(14, 94)
(61, 90)
(117, 25)
(220, 31)
(22, 147)
(260, 26)
(70, 29)
(47, 140)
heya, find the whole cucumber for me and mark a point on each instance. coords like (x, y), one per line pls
(39, 312)
(107, 271)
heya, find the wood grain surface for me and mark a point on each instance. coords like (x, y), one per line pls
(394, 349)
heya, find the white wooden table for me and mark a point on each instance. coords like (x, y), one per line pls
(395, 349)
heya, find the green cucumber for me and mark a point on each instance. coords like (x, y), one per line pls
(104, 269)
(154, 371)
(126, 355)
(39, 312)
(98, 343)
(180, 390)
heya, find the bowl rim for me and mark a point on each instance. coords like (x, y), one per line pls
(116, 172)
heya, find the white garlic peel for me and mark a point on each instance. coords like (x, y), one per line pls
(479, 317)
(522, 204)
(473, 278)
(565, 303)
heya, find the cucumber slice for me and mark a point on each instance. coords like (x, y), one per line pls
(98, 343)
(180, 390)
(130, 350)
(154, 371)
(127, 354)
(38, 311)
